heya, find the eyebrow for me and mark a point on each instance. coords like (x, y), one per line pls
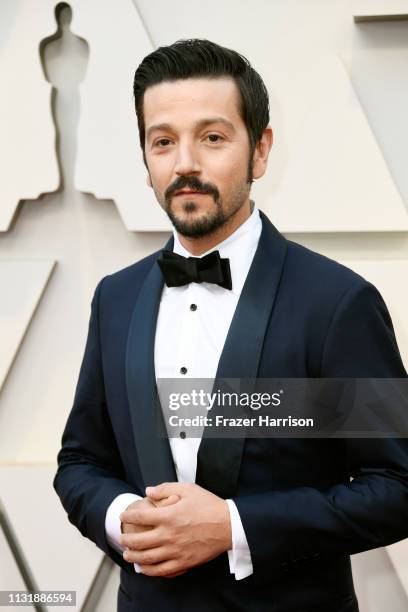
(198, 125)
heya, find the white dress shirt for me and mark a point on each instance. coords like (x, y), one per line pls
(193, 339)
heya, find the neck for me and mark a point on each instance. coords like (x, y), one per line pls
(197, 246)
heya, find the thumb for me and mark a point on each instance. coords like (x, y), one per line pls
(162, 490)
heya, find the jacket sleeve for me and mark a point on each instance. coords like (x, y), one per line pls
(288, 527)
(90, 473)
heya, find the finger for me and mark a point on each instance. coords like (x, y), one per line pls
(167, 501)
(131, 528)
(143, 540)
(149, 556)
(167, 568)
(164, 490)
(142, 516)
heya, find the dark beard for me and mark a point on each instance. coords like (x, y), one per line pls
(200, 227)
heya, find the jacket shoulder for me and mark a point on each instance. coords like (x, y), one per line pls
(306, 267)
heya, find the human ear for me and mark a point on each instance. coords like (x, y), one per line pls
(262, 148)
(148, 180)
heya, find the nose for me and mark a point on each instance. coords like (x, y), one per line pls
(187, 161)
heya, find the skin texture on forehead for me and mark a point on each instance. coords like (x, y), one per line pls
(214, 96)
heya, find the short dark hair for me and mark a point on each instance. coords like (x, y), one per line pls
(202, 58)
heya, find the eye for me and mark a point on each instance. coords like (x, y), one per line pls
(162, 142)
(214, 138)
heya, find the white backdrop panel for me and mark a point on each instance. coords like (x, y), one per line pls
(59, 557)
(399, 556)
(336, 178)
(374, 9)
(109, 162)
(22, 285)
(27, 136)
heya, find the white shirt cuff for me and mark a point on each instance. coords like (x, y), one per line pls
(239, 556)
(112, 521)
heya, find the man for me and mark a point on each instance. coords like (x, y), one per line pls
(234, 524)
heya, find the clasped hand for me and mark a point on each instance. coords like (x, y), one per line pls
(175, 527)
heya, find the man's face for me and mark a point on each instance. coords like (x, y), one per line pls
(197, 152)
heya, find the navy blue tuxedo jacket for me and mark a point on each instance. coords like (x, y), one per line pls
(299, 315)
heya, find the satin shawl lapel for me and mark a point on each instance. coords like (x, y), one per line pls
(154, 453)
(219, 460)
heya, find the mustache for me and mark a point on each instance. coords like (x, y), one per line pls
(191, 182)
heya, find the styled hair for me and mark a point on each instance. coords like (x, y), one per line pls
(194, 58)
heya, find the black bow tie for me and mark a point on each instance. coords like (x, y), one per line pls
(178, 270)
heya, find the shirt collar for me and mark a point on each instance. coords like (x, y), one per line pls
(239, 248)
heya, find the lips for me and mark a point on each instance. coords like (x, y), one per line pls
(188, 192)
